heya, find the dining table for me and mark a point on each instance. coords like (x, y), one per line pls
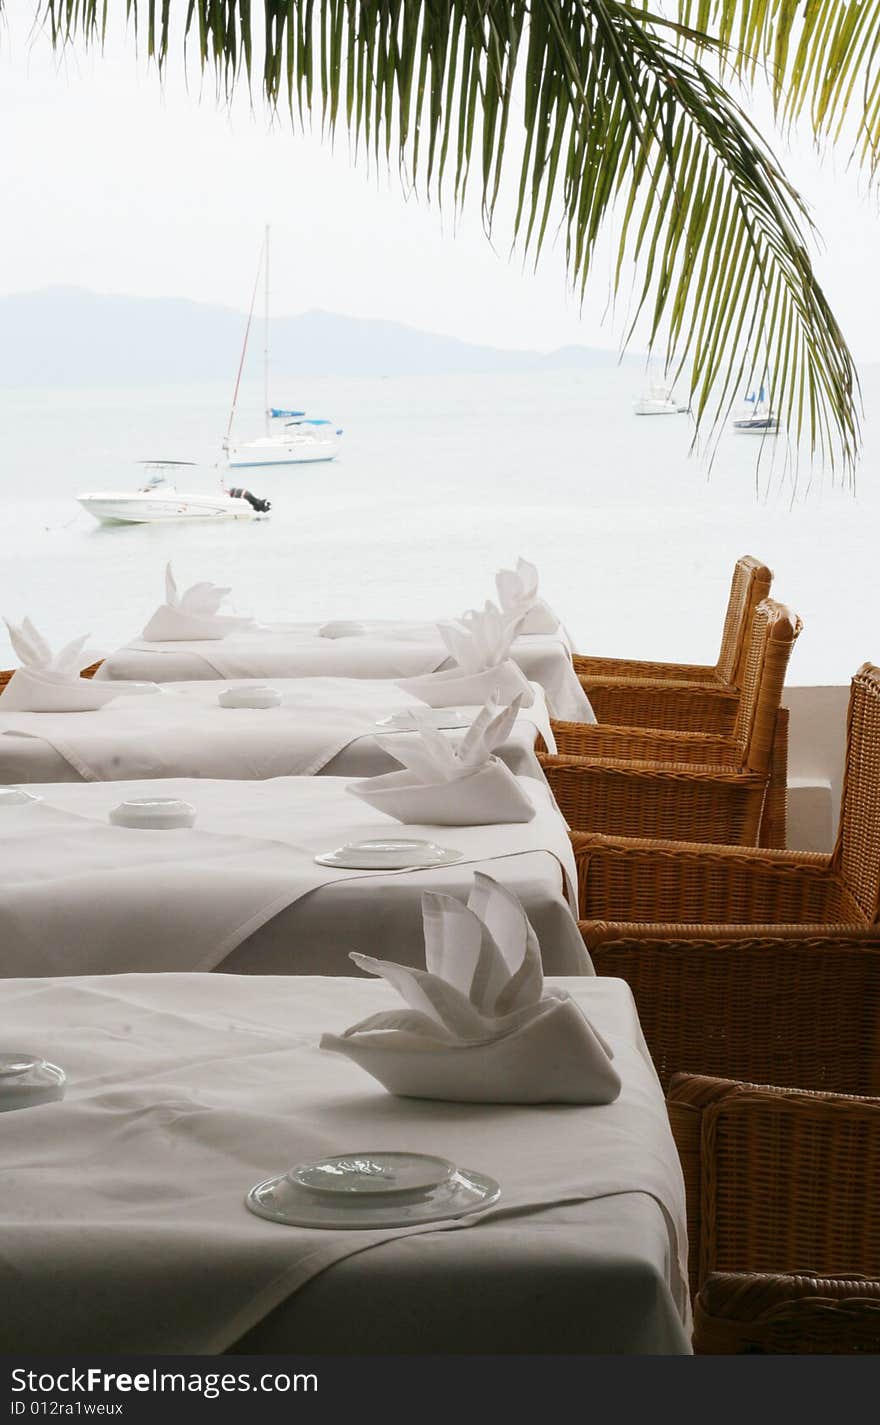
(123, 1205)
(241, 890)
(321, 726)
(381, 649)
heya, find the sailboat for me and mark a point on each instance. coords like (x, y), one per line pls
(289, 437)
(761, 419)
(658, 401)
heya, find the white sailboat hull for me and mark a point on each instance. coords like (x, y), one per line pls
(162, 507)
(757, 425)
(271, 451)
(650, 407)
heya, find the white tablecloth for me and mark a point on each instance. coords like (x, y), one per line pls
(122, 1208)
(387, 650)
(325, 725)
(241, 889)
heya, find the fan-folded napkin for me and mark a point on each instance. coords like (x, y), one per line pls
(479, 1026)
(479, 643)
(50, 682)
(518, 596)
(194, 614)
(450, 784)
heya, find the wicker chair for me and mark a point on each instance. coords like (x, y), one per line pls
(6, 673)
(684, 785)
(753, 963)
(650, 887)
(676, 695)
(783, 1216)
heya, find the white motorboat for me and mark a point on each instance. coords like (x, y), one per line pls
(159, 501)
(289, 437)
(761, 419)
(658, 401)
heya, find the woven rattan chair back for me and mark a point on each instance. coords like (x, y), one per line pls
(857, 852)
(773, 635)
(750, 584)
(747, 1221)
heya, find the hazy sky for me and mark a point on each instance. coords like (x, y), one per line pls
(114, 181)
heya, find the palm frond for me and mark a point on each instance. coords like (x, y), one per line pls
(623, 119)
(821, 60)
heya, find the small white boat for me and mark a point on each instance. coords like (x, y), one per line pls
(160, 502)
(289, 437)
(295, 442)
(658, 401)
(760, 419)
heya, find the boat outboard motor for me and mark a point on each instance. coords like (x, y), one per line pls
(262, 507)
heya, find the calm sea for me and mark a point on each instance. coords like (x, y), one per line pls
(441, 482)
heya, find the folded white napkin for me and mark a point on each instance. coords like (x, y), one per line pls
(518, 596)
(192, 614)
(480, 1027)
(479, 643)
(50, 682)
(449, 784)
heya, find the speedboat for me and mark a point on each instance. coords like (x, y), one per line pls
(159, 501)
(658, 401)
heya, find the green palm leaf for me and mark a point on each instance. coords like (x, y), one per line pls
(821, 59)
(624, 119)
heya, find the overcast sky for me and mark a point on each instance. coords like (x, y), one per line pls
(115, 181)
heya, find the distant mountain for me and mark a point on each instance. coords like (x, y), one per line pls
(66, 336)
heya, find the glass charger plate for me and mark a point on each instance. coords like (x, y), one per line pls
(376, 1174)
(389, 854)
(409, 718)
(283, 1200)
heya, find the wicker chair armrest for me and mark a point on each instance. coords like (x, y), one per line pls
(677, 769)
(678, 883)
(669, 687)
(746, 1313)
(754, 1204)
(588, 667)
(635, 935)
(601, 740)
(586, 843)
(645, 702)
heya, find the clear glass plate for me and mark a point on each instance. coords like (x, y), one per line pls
(27, 1080)
(408, 719)
(388, 854)
(15, 797)
(282, 1200)
(352, 1177)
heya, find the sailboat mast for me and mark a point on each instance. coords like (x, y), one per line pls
(244, 347)
(266, 339)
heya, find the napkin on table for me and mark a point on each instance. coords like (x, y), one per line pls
(447, 784)
(479, 1026)
(193, 614)
(50, 682)
(518, 596)
(479, 643)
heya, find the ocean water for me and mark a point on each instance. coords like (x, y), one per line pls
(440, 483)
